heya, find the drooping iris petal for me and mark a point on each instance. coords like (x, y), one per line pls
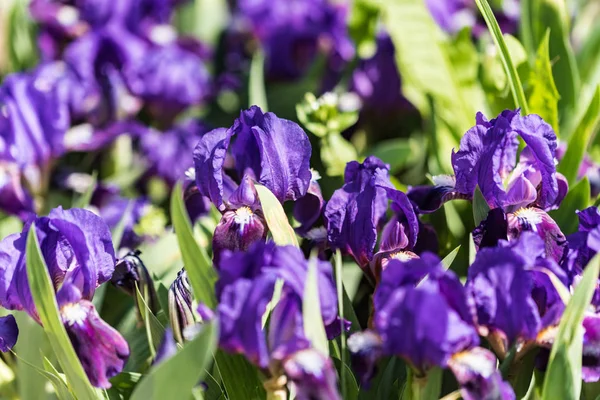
(312, 375)
(14, 198)
(8, 332)
(428, 199)
(100, 348)
(538, 221)
(354, 211)
(276, 150)
(421, 312)
(492, 229)
(476, 373)
(365, 349)
(308, 209)
(500, 286)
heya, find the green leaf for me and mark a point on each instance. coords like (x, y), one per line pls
(362, 27)
(544, 96)
(281, 231)
(313, 322)
(428, 387)
(588, 58)
(449, 259)
(9, 225)
(348, 384)
(32, 342)
(578, 198)
(514, 81)
(480, 207)
(86, 197)
(257, 95)
(203, 19)
(58, 381)
(125, 383)
(197, 264)
(43, 295)
(563, 376)
(553, 15)
(154, 329)
(336, 152)
(580, 140)
(21, 37)
(340, 297)
(240, 378)
(398, 153)
(175, 377)
(423, 63)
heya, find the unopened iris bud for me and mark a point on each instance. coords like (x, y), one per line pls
(101, 349)
(238, 229)
(130, 272)
(181, 312)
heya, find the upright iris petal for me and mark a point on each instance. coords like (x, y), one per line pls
(273, 151)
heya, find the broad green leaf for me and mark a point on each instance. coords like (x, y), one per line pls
(362, 26)
(588, 58)
(175, 377)
(480, 207)
(449, 259)
(427, 387)
(21, 36)
(472, 249)
(43, 295)
(348, 384)
(563, 376)
(336, 152)
(32, 341)
(578, 198)
(580, 140)
(424, 64)
(544, 96)
(9, 225)
(553, 15)
(281, 231)
(58, 381)
(240, 378)
(203, 19)
(197, 264)
(398, 153)
(125, 383)
(256, 86)
(313, 322)
(514, 81)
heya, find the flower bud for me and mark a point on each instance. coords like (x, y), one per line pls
(180, 305)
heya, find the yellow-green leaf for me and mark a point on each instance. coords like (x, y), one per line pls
(281, 231)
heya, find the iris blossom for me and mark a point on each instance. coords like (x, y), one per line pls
(77, 248)
(523, 191)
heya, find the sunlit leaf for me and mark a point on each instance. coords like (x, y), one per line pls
(281, 231)
(314, 329)
(256, 86)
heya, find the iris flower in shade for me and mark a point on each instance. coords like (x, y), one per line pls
(524, 191)
(421, 314)
(512, 296)
(312, 375)
(169, 78)
(356, 210)
(294, 33)
(272, 151)
(454, 15)
(168, 152)
(9, 332)
(77, 248)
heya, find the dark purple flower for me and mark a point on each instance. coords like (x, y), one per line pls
(242, 223)
(365, 350)
(476, 373)
(167, 348)
(169, 78)
(101, 349)
(245, 287)
(309, 208)
(312, 375)
(421, 313)
(131, 275)
(14, 198)
(513, 297)
(294, 33)
(355, 211)
(9, 332)
(77, 248)
(585, 243)
(377, 81)
(273, 151)
(591, 348)
(168, 152)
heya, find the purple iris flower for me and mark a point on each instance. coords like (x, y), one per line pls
(377, 81)
(294, 33)
(245, 287)
(166, 151)
(356, 210)
(169, 78)
(513, 297)
(76, 245)
(272, 151)
(9, 332)
(421, 314)
(524, 191)
(454, 15)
